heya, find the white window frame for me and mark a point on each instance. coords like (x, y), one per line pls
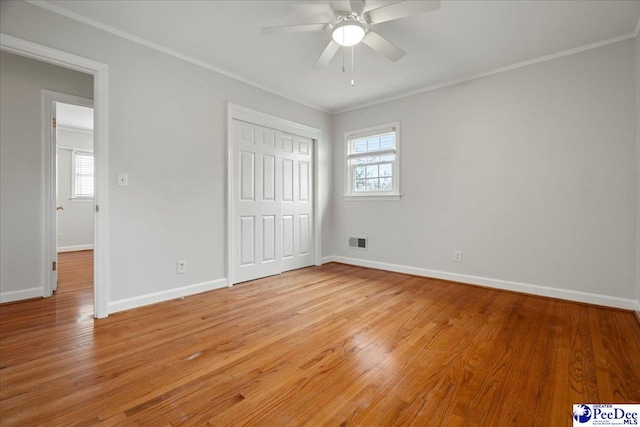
(74, 197)
(350, 194)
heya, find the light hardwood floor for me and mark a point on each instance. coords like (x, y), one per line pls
(335, 345)
(75, 271)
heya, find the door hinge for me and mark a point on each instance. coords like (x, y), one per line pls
(54, 265)
(97, 208)
(54, 122)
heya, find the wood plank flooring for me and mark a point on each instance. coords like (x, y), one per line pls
(75, 271)
(334, 345)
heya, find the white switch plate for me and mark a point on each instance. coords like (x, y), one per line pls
(457, 256)
(123, 179)
(181, 266)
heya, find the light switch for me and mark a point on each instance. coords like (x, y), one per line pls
(123, 179)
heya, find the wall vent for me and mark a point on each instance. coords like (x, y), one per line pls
(358, 242)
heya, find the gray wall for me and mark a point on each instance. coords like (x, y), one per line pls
(167, 130)
(75, 222)
(530, 172)
(21, 172)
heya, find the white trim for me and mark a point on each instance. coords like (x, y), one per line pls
(371, 198)
(317, 220)
(372, 130)
(163, 49)
(327, 259)
(171, 52)
(156, 297)
(238, 112)
(526, 288)
(11, 296)
(394, 194)
(249, 115)
(49, 183)
(75, 248)
(490, 72)
(101, 151)
(49, 152)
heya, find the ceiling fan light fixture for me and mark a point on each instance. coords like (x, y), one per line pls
(348, 33)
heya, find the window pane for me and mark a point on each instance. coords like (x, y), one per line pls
(385, 184)
(373, 143)
(371, 184)
(385, 141)
(370, 170)
(372, 159)
(360, 145)
(84, 176)
(388, 141)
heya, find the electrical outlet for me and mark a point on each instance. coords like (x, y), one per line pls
(457, 256)
(181, 266)
(60, 236)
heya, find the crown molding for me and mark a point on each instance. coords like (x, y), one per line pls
(77, 17)
(83, 19)
(494, 71)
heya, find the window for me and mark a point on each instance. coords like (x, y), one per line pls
(372, 163)
(82, 175)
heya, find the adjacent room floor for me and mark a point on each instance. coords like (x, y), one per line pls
(333, 345)
(75, 271)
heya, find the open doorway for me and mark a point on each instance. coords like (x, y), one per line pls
(75, 190)
(40, 260)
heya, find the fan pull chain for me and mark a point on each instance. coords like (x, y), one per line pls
(352, 72)
(342, 59)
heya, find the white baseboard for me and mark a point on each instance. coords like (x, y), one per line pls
(75, 248)
(12, 296)
(142, 300)
(327, 259)
(526, 288)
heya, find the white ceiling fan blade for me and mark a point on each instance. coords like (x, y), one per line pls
(328, 54)
(357, 6)
(383, 46)
(295, 28)
(400, 10)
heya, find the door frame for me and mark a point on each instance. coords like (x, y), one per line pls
(238, 112)
(49, 97)
(99, 71)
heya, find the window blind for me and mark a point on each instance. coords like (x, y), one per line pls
(84, 174)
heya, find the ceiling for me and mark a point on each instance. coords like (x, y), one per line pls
(460, 40)
(74, 117)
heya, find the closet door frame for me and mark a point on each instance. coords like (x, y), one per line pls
(237, 112)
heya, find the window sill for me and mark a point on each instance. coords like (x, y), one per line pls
(371, 198)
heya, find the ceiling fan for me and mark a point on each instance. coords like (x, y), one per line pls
(354, 26)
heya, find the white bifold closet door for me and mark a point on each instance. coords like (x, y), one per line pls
(272, 195)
